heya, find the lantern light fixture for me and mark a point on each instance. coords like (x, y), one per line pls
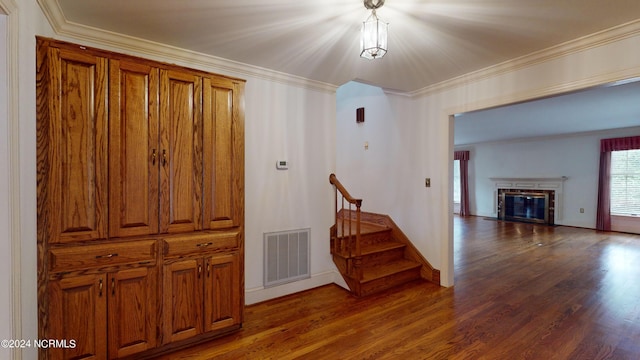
(373, 40)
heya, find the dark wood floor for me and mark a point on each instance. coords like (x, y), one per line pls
(521, 292)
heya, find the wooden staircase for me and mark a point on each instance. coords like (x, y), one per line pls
(370, 251)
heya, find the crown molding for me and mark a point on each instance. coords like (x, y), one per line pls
(584, 43)
(146, 48)
(7, 6)
(140, 47)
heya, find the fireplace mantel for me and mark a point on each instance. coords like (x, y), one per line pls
(531, 183)
(551, 183)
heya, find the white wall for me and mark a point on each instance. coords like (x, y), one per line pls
(421, 140)
(284, 122)
(303, 123)
(613, 59)
(6, 264)
(284, 119)
(576, 156)
(356, 166)
(30, 22)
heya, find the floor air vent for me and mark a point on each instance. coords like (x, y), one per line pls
(286, 256)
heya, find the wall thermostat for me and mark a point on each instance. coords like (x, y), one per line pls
(282, 164)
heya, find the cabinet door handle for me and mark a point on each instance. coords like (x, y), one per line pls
(199, 271)
(208, 270)
(100, 287)
(153, 157)
(113, 287)
(107, 256)
(164, 157)
(204, 244)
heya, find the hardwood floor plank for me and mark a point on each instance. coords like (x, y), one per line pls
(521, 291)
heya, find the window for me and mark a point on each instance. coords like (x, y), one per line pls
(456, 181)
(625, 182)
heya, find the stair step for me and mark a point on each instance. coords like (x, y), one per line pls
(375, 248)
(365, 228)
(388, 258)
(381, 271)
(384, 277)
(381, 247)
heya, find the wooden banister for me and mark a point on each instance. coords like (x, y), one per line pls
(334, 181)
(344, 239)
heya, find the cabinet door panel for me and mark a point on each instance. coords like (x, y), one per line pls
(222, 305)
(134, 149)
(78, 311)
(181, 153)
(76, 144)
(222, 155)
(132, 311)
(182, 303)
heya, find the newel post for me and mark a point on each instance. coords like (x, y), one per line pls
(358, 205)
(358, 256)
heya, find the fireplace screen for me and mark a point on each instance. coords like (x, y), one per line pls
(524, 206)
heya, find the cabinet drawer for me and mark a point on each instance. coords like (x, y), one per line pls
(88, 256)
(200, 243)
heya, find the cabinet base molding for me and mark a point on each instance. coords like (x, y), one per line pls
(183, 344)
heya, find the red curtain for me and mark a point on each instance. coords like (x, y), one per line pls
(463, 156)
(603, 216)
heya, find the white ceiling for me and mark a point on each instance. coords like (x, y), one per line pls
(600, 108)
(430, 41)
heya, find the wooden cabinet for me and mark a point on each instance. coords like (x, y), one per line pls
(72, 155)
(132, 311)
(182, 292)
(175, 148)
(203, 293)
(202, 285)
(223, 154)
(181, 175)
(140, 202)
(90, 309)
(88, 304)
(222, 291)
(78, 311)
(155, 147)
(134, 149)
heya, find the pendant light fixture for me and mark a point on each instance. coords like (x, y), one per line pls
(373, 41)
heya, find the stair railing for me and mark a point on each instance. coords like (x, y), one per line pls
(344, 239)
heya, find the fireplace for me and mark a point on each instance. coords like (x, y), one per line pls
(528, 205)
(537, 200)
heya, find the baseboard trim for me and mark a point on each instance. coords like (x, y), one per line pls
(260, 294)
